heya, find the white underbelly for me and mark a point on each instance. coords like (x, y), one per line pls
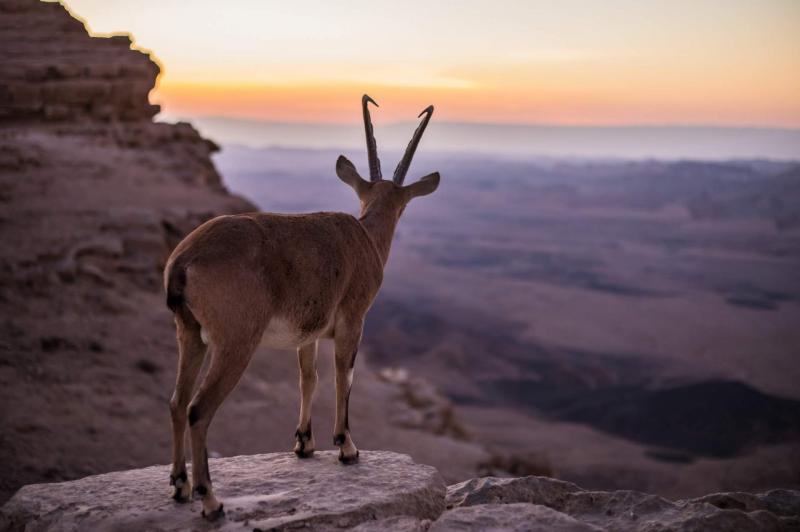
(279, 334)
(282, 334)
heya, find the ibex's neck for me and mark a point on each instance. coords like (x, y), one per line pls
(380, 226)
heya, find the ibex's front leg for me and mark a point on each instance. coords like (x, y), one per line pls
(307, 358)
(191, 354)
(346, 341)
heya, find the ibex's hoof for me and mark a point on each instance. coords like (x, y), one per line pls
(347, 460)
(181, 494)
(214, 514)
(183, 488)
(303, 453)
(304, 446)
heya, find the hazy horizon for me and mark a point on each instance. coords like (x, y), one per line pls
(516, 140)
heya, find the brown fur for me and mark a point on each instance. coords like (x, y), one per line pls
(310, 276)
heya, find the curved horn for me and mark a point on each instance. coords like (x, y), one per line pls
(405, 162)
(372, 146)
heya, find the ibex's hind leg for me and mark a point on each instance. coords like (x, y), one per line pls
(191, 354)
(228, 362)
(345, 358)
(307, 359)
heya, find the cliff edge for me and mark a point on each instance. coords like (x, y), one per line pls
(384, 491)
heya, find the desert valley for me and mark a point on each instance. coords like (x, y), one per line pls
(647, 307)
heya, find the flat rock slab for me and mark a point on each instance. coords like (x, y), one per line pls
(260, 492)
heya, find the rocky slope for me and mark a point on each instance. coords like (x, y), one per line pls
(93, 196)
(384, 491)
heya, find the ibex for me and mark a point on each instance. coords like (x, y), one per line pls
(286, 281)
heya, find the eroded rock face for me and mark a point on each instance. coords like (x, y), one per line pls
(52, 70)
(261, 492)
(93, 197)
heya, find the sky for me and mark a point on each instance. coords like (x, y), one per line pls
(602, 62)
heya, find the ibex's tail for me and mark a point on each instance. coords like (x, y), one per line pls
(176, 282)
(176, 285)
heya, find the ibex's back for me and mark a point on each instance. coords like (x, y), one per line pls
(296, 271)
(290, 279)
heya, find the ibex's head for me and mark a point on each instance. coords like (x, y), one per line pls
(377, 193)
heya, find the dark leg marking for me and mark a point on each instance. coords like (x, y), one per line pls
(194, 415)
(347, 396)
(180, 476)
(303, 436)
(178, 493)
(339, 440)
(347, 411)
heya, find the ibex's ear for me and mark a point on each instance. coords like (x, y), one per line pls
(347, 172)
(424, 186)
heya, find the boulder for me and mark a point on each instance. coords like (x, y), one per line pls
(262, 492)
(513, 517)
(776, 510)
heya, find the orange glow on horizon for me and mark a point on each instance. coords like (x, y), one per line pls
(608, 62)
(339, 103)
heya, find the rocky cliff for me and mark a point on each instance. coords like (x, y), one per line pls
(384, 491)
(52, 71)
(93, 196)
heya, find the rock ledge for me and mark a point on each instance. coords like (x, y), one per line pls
(384, 491)
(260, 492)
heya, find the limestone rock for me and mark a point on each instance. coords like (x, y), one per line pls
(262, 492)
(399, 523)
(538, 490)
(384, 491)
(514, 517)
(634, 511)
